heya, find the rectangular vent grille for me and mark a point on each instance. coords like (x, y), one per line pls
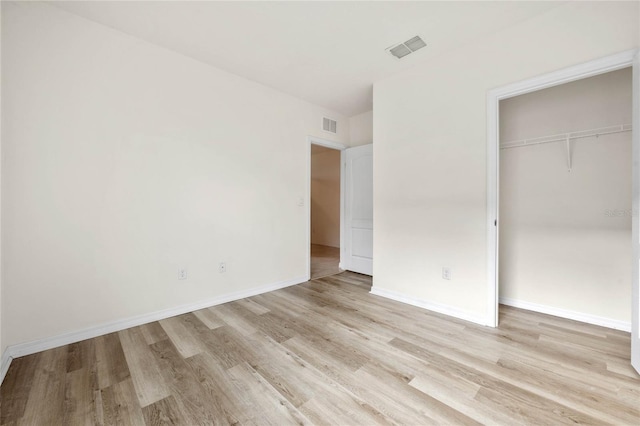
(415, 43)
(401, 50)
(329, 125)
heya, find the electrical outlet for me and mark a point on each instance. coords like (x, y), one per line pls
(446, 273)
(182, 273)
(222, 268)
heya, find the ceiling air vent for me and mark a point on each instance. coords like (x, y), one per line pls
(329, 125)
(400, 51)
(403, 49)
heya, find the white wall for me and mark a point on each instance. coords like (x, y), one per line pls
(430, 148)
(361, 129)
(123, 161)
(565, 237)
(1, 270)
(325, 196)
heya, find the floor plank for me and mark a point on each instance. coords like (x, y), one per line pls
(163, 412)
(14, 392)
(111, 363)
(120, 405)
(324, 261)
(46, 396)
(145, 373)
(187, 344)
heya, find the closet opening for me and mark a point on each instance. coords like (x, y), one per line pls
(565, 200)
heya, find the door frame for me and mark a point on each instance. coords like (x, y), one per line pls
(313, 140)
(588, 69)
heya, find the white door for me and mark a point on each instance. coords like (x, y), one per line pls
(635, 224)
(357, 251)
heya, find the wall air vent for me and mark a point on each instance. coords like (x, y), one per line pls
(403, 49)
(329, 125)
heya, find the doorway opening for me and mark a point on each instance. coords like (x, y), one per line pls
(323, 257)
(611, 63)
(565, 200)
(325, 211)
(355, 210)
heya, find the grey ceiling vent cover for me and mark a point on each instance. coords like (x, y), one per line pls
(400, 51)
(329, 125)
(403, 49)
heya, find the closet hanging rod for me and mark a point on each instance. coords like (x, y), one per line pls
(563, 137)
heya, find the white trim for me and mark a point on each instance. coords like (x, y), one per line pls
(5, 362)
(635, 221)
(567, 75)
(431, 306)
(342, 263)
(587, 69)
(565, 313)
(313, 140)
(493, 176)
(39, 345)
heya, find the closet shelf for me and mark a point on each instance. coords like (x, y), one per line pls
(571, 136)
(567, 138)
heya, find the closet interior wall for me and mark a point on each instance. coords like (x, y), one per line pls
(565, 236)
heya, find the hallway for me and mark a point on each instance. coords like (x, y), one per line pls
(324, 261)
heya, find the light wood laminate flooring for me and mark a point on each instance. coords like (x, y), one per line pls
(324, 261)
(328, 352)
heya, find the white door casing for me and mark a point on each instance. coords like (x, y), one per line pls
(357, 247)
(635, 222)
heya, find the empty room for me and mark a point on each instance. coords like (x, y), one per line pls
(342, 213)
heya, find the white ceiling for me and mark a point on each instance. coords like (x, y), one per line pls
(328, 53)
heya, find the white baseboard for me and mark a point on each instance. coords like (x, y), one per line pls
(28, 348)
(431, 306)
(564, 313)
(5, 362)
